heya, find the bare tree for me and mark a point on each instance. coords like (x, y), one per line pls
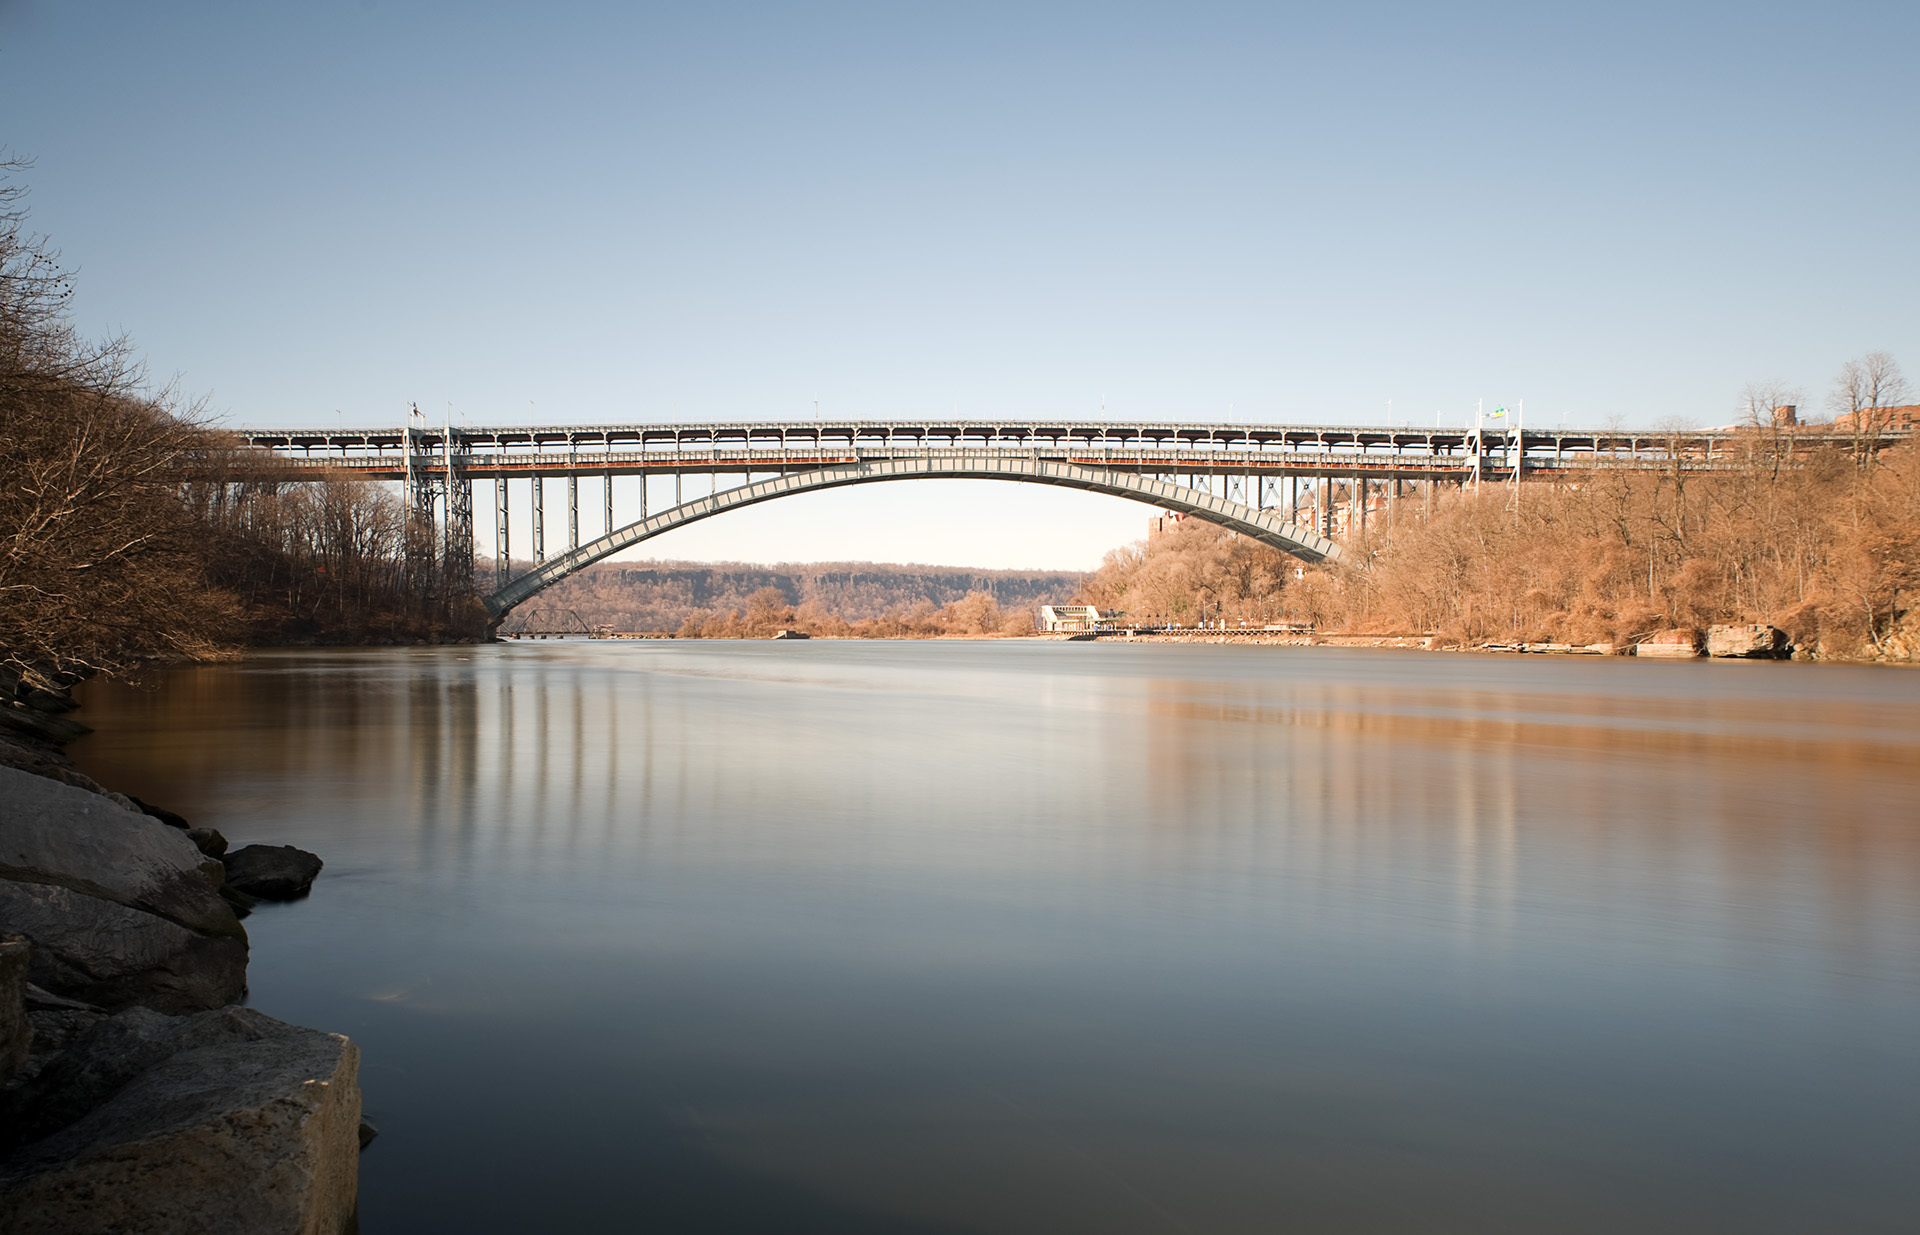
(1769, 405)
(1862, 393)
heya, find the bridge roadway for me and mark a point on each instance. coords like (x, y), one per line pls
(1198, 448)
(1141, 461)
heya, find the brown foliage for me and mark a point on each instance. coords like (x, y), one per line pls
(1195, 571)
(99, 563)
(639, 596)
(1825, 549)
(327, 561)
(974, 615)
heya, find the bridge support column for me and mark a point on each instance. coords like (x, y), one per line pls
(459, 543)
(539, 520)
(608, 530)
(501, 557)
(573, 510)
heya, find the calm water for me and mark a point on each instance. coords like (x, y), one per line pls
(942, 937)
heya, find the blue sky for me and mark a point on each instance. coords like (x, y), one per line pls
(719, 211)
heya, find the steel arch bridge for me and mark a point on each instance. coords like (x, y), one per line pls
(1262, 525)
(1290, 486)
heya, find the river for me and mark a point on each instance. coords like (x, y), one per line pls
(941, 937)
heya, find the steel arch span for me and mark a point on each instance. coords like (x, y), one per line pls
(1262, 525)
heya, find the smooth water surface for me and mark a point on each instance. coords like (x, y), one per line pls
(1044, 937)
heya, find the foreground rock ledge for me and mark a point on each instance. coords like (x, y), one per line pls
(222, 1123)
(121, 908)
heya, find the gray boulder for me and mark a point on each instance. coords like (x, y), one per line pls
(55, 834)
(272, 872)
(105, 953)
(222, 1123)
(121, 909)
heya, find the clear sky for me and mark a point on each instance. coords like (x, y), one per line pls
(724, 211)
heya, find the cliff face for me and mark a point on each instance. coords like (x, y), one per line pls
(661, 595)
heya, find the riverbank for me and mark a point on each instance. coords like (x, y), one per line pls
(136, 1092)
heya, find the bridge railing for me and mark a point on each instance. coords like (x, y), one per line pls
(1413, 465)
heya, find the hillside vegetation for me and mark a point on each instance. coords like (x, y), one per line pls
(822, 598)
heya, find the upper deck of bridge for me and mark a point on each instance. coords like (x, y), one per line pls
(1181, 437)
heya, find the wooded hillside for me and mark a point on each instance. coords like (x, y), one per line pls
(663, 596)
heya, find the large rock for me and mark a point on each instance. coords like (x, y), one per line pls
(272, 872)
(121, 909)
(56, 834)
(16, 1032)
(107, 954)
(1751, 640)
(216, 1124)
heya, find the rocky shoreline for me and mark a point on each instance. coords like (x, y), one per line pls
(1737, 641)
(136, 1093)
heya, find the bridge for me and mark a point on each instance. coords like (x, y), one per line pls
(1254, 479)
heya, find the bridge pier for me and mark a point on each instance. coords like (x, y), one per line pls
(459, 541)
(501, 558)
(539, 520)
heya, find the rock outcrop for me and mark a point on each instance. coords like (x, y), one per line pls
(272, 872)
(219, 1123)
(1747, 640)
(121, 909)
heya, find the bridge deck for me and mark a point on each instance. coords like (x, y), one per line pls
(1388, 452)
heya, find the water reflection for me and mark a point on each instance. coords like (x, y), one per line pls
(1083, 938)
